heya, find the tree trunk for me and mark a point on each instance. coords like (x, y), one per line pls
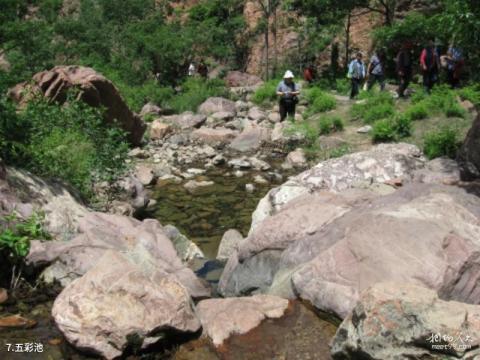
(267, 61)
(275, 54)
(347, 39)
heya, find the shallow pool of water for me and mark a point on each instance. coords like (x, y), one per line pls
(204, 214)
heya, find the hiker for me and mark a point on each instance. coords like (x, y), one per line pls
(356, 72)
(288, 93)
(429, 61)
(454, 65)
(376, 72)
(309, 74)
(404, 68)
(202, 69)
(191, 69)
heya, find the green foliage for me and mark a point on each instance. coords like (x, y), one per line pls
(471, 93)
(384, 130)
(16, 235)
(443, 142)
(376, 106)
(69, 142)
(403, 126)
(417, 111)
(329, 124)
(319, 101)
(453, 109)
(194, 92)
(266, 93)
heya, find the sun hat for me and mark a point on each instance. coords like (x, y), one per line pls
(288, 75)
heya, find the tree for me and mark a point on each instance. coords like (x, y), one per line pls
(386, 8)
(269, 10)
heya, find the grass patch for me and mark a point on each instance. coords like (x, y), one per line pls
(319, 101)
(330, 124)
(266, 93)
(418, 111)
(443, 142)
(470, 93)
(392, 129)
(376, 106)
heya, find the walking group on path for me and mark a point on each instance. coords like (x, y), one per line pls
(430, 63)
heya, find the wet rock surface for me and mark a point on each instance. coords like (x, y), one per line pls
(298, 335)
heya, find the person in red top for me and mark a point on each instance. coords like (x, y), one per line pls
(429, 61)
(309, 74)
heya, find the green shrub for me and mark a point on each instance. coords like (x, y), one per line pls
(384, 130)
(453, 109)
(403, 126)
(319, 101)
(378, 112)
(471, 93)
(329, 124)
(266, 93)
(417, 111)
(376, 106)
(72, 143)
(342, 86)
(443, 142)
(17, 234)
(194, 92)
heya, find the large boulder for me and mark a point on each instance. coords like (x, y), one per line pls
(251, 138)
(123, 300)
(61, 206)
(427, 235)
(217, 104)
(222, 318)
(214, 137)
(94, 89)
(102, 232)
(469, 154)
(241, 79)
(380, 164)
(186, 120)
(404, 321)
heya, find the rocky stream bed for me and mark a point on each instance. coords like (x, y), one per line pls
(223, 242)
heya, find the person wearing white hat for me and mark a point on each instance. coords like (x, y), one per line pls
(288, 93)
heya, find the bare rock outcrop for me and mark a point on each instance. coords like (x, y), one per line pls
(404, 321)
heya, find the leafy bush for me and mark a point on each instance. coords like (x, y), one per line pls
(417, 111)
(71, 143)
(266, 93)
(384, 130)
(443, 142)
(194, 92)
(329, 124)
(403, 126)
(376, 106)
(319, 101)
(471, 93)
(16, 235)
(453, 109)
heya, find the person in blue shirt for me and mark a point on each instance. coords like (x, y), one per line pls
(356, 72)
(288, 92)
(455, 65)
(376, 70)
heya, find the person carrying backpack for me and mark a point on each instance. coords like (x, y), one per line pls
(356, 72)
(455, 64)
(288, 93)
(376, 71)
(404, 68)
(429, 61)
